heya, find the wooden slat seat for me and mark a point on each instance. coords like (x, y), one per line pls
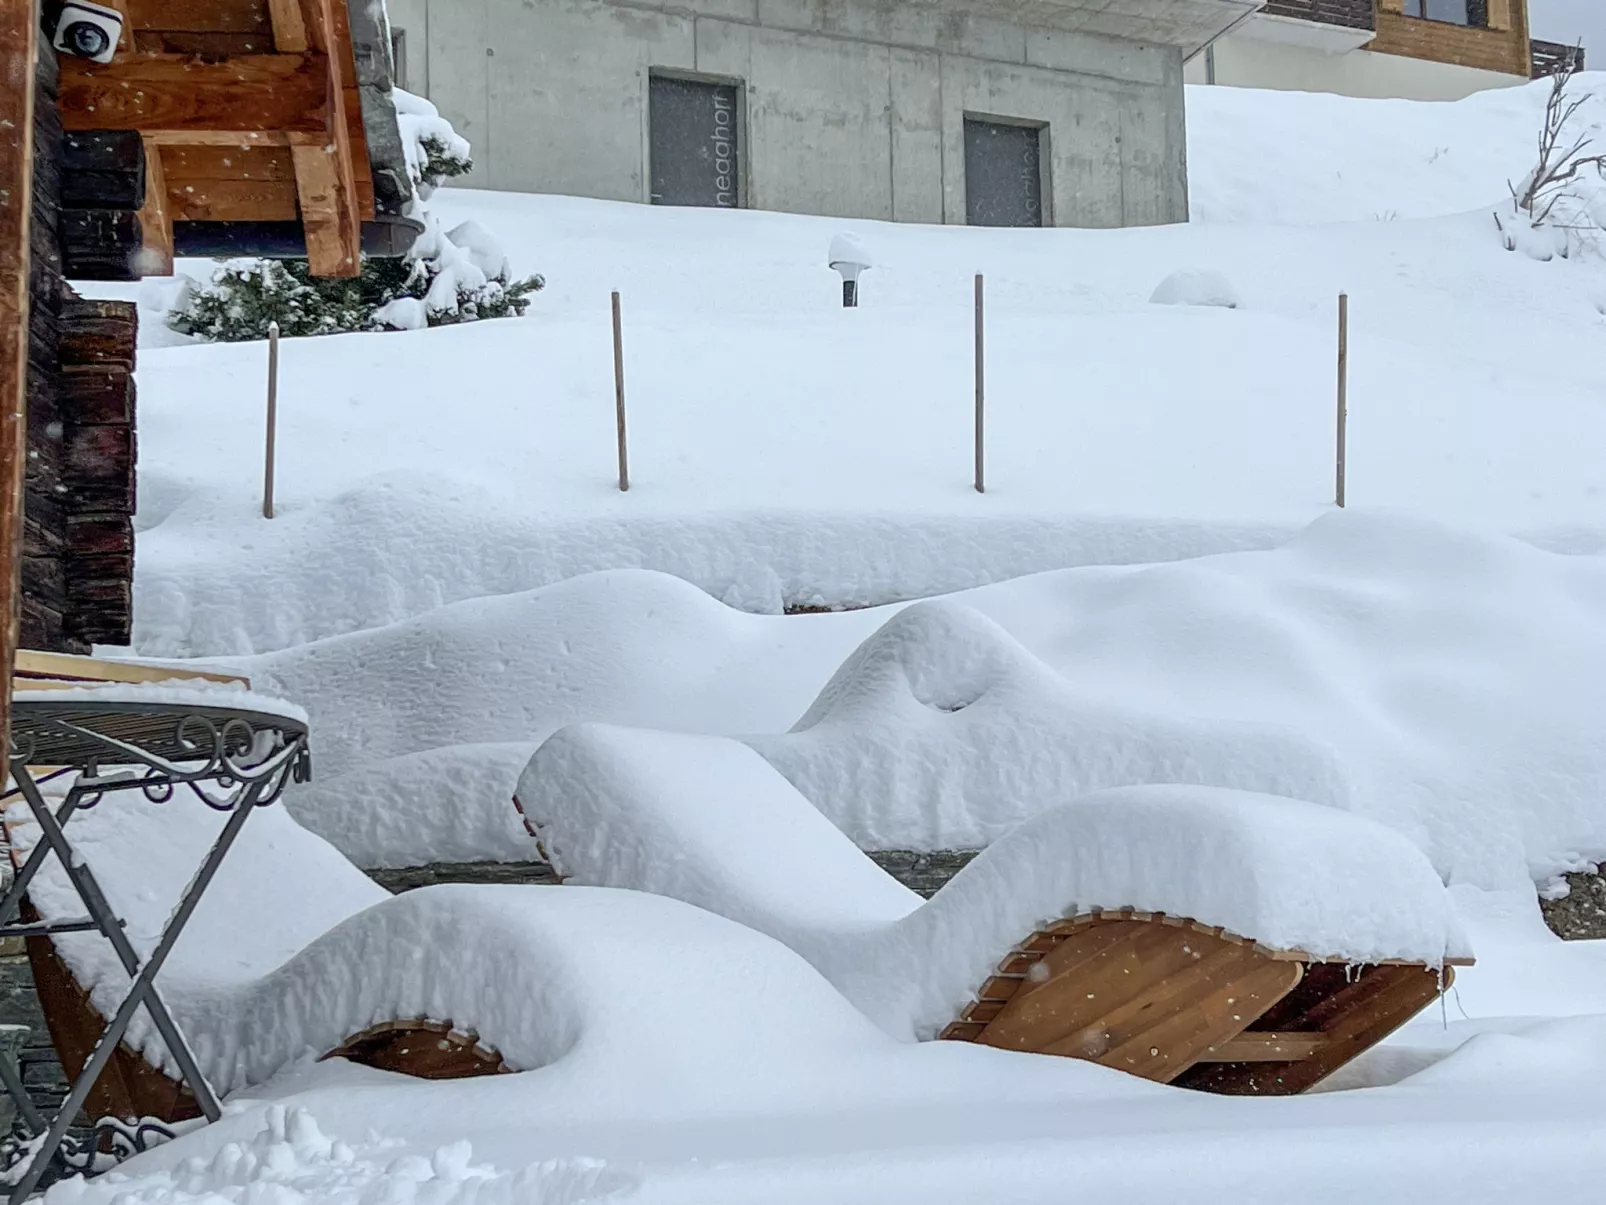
(1177, 1001)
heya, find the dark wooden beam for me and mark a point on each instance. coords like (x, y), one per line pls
(103, 169)
(19, 38)
(326, 181)
(180, 94)
(101, 244)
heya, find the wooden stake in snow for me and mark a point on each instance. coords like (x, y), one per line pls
(619, 395)
(273, 418)
(981, 394)
(1343, 393)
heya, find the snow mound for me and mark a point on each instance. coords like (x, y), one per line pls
(944, 731)
(1193, 286)
(1442, 681)
(703, 820)
(1436, 680)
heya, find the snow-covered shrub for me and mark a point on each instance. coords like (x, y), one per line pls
(1193, 286)
(1561, 203)
(449, 276)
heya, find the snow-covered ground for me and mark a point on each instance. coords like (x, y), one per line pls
(785, 451)
(1431, 662)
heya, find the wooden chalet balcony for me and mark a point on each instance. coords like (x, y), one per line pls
(1350, 14)
(1551, 58)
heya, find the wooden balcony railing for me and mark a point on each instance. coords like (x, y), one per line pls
(1351, 14)
(1552, 58)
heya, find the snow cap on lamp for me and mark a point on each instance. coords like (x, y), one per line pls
(849, 257)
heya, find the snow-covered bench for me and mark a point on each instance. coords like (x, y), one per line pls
(296, 954)
(1218, 939)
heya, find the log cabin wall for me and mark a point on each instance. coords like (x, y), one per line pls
(78, 536)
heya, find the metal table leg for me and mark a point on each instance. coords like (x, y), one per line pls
(142, 990)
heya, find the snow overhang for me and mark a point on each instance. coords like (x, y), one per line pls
(1309, 35)
(1190, 25)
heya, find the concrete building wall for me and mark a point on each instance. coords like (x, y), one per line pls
(851, 108)
(1243, 62)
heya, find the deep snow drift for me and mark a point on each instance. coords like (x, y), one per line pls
(1441, 682)
(786, 451)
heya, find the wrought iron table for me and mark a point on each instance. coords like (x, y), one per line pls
(154, 741)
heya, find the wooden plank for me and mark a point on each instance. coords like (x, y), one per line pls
(422, 1049)
(1353, 1012)
(289, 27)
(326, 182)
(1267, 1047)
(243, 139)
(155, 217)
(64, 667)
(204, 16)
(19, 36)
(1214, 999)
(1136, 994)
(207, 45)
(233, 201)
(344, 56)
(174, 93)
(187, 161)
(1089, 977)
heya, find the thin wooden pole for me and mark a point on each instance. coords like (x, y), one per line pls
(19, 32)
(273, 419)
(1343, 395)
(619, 396)
(981, 394)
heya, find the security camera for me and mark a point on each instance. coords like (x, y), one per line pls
(88, 31)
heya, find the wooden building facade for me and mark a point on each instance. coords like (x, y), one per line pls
(219, 127)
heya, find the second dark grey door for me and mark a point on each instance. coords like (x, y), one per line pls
(1003, 174)
(696, 155)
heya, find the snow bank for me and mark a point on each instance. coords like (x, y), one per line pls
(1440, 681)
(943, 730)
(1304, 157)
(1119, 431)
(706, 821)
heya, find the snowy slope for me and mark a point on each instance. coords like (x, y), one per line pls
(788, 452)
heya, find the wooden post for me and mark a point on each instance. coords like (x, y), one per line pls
(981, 394)
(273, 419)
(1343, 394)
(19, 34)
(619, 395)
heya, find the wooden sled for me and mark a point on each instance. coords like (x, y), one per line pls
(1179, 1002)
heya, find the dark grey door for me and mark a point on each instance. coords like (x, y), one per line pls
(1003, 174)
(696, 156)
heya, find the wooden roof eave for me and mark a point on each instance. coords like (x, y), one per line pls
(268, 128)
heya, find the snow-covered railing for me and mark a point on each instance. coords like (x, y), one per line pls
(1553, 58)
(1351, 14)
